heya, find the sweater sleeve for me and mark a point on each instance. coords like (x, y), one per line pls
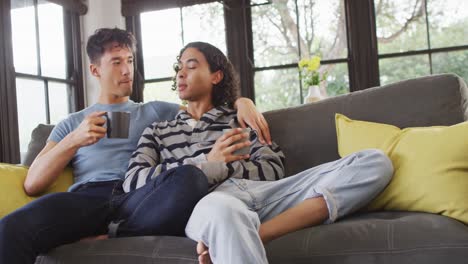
(266, 163)
(145, 163)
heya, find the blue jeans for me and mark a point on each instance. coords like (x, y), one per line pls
(161, 207)
(228, 219)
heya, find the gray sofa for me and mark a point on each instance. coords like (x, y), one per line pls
(307, 136)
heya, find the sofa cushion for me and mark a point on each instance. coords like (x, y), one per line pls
(385, 237)
(12, 195)
(38, 140)
(430, 164)
(144, 249)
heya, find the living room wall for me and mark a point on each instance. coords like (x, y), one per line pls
(101, 13)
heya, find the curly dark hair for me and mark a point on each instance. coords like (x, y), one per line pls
(227, 90)
(99, 41)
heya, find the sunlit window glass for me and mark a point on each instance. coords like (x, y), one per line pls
(161, 34)
(31, 108)
(161, 91)
(448, 22)
(402, 68)
(165, 32)
(52, 40)
(286, 31)
(24, 37)
(59, 101)
(401, 25)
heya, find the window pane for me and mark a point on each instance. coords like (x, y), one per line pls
(275, 33)
(401, 25)
(52, 40)
(23, 30)
(205, 23)
(337, 81)
(161, 34)
(397, 69)
(275, 89)
(448, 21)
(322, 28)
(451, 62)
(160, 91)
(259, 2)
(31, 108)
(59, 98)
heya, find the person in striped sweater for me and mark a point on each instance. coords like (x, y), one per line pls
(251, 202)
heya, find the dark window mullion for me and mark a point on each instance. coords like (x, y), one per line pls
(422, 52)
(293, 65)
(182, 26)
(38, 45)
(163, 79)
(428, 36)
(361, 33)
(301, 99)
(47, 101)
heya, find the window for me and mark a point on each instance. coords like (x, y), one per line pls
(45, 79)
(362, 43)
(421, 37)
(285, 31)
(165, 32)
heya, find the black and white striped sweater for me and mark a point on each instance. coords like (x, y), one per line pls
(169, 144)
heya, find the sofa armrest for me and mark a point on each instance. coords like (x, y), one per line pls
(12, 195)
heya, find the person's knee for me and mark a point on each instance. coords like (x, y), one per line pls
(191, 178)
(223, 209)
(9, 226)
(382, 164)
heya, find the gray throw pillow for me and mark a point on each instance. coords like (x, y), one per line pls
(38, 140)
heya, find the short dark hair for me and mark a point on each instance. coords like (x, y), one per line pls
(227, 90)
(99, 41)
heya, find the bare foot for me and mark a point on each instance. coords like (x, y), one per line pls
(100, 237)
(203, 254)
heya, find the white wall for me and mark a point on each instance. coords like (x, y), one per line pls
(101, 13)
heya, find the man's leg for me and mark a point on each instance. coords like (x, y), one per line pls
(228, 227)
(163, 206)
(51, 221)
(321, 194)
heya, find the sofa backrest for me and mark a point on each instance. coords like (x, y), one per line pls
(307, 133)
(39, 137)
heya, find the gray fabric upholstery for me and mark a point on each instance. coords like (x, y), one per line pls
(308, 137)
(133, 250)
(307, 133)
(384, 237)
(38, 140)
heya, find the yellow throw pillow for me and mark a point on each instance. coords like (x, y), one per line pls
(12, 195)
(430, 163)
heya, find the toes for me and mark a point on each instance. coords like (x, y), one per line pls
(201, 247)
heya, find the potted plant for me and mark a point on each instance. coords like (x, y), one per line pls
(312, 78)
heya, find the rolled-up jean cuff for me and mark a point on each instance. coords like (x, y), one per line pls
(113, 227)
(329, 200)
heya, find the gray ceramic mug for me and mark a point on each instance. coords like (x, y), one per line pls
(118, 124)
(242, 151)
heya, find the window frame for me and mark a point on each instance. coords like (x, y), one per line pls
(9, 130)
(361, 31)
(429, 51)
(239, 41)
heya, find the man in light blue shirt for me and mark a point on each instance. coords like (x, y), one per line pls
(96, 197)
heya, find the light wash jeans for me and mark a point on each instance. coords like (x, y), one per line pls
(228, 219)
